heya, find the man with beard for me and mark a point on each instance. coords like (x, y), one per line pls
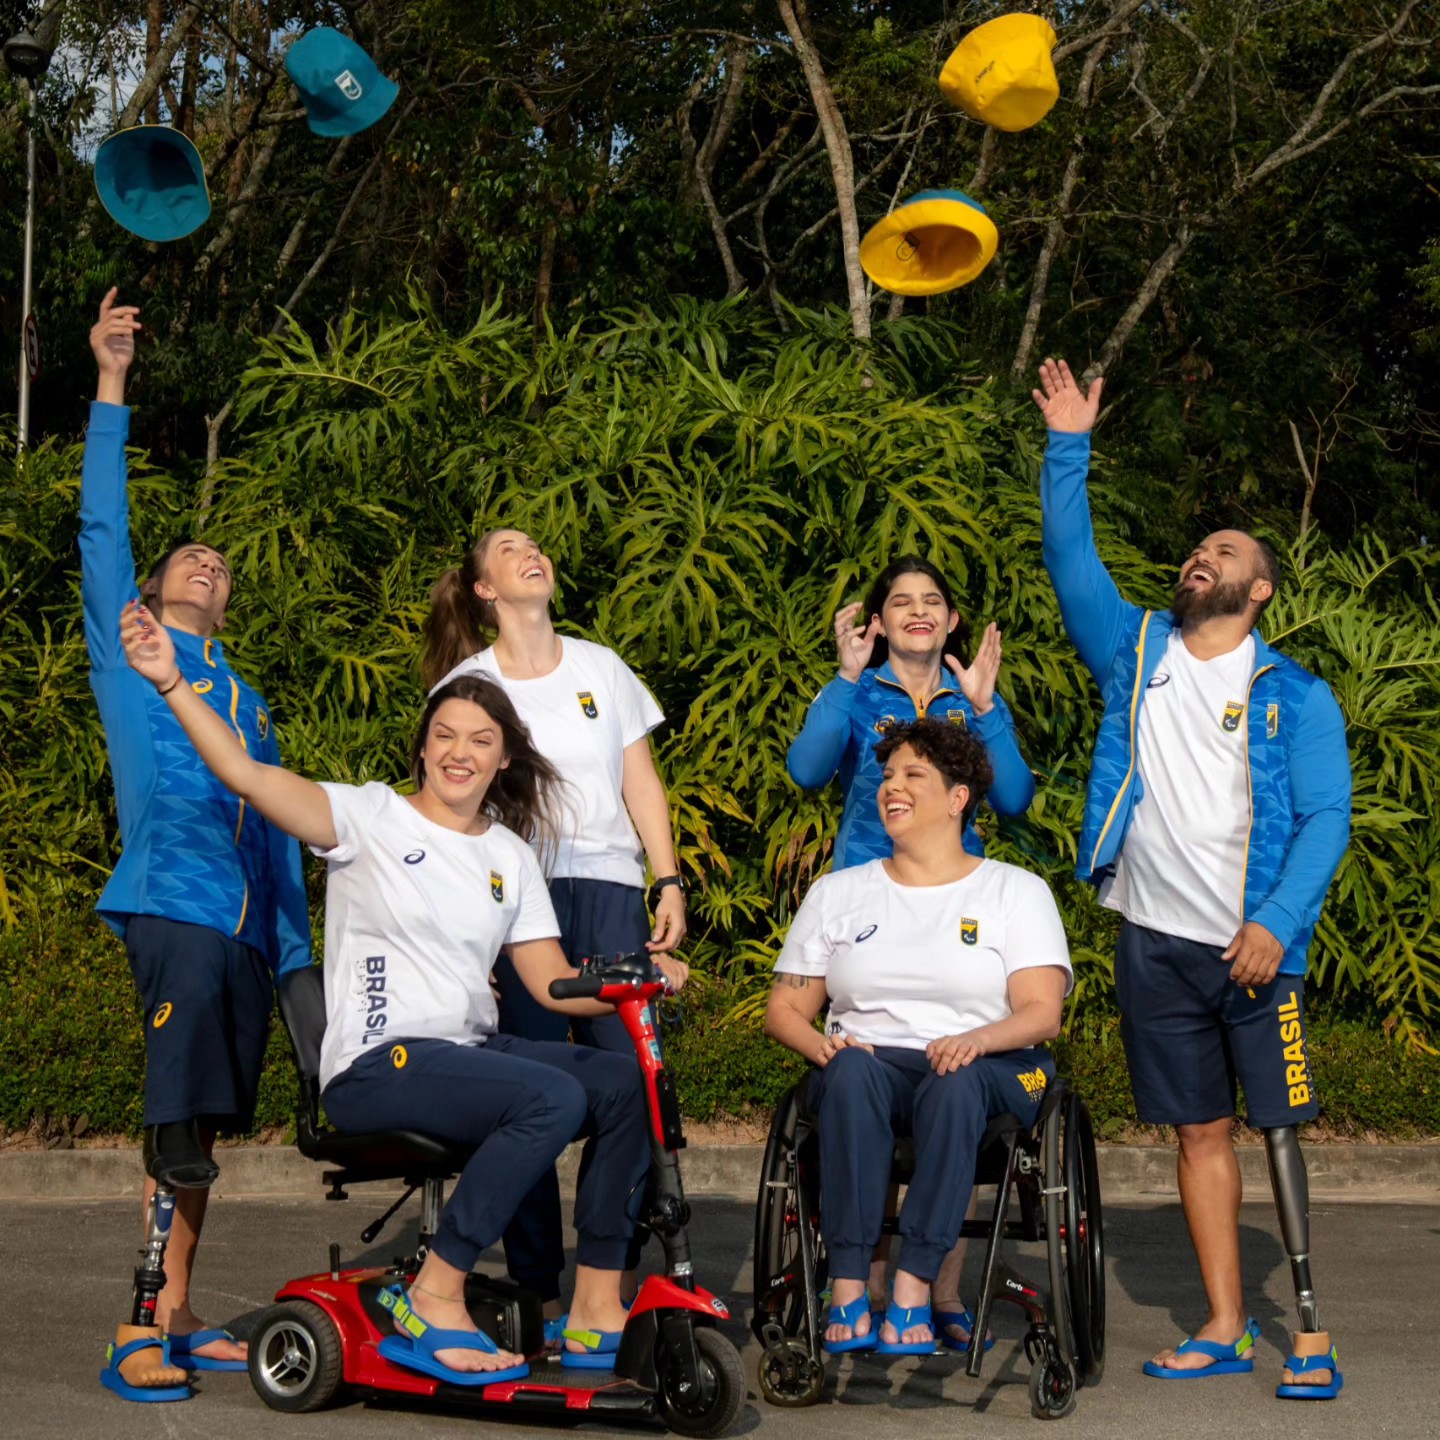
(1218, 810)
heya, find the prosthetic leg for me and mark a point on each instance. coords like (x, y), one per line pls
(1312, 1347)
(174, 1159)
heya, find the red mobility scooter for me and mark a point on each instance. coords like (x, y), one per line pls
(674, 1368)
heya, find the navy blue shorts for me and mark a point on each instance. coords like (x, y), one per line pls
(207, 1001)
(598, 918)
(1191, 1032)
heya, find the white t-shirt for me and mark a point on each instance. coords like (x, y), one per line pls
(582, 716)
(1182, 868)
(906, 964)
(415, 916)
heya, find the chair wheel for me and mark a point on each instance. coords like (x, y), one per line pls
(1052, 1388)
(789, 1375)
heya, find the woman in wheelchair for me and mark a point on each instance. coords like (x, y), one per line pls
(943, 972)
(423, 892)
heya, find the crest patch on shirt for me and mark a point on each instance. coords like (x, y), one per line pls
(497, 886)
(587, 704)
(885, 724)
(969, 932)
(957, 717)
(1272, 720)
(262, 722)
(1230, 720)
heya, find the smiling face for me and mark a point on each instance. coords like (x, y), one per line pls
(191, 590)
(1224, 575)
(463, 751)
(916, 804)
(916, 619)
(513, 570)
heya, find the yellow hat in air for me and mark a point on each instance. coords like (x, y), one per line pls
(937, 240)
(1001, 72)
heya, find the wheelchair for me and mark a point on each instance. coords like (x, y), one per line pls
(1048, 1174)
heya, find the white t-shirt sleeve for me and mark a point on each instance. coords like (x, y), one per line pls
(534, 917)
(807, 948)
(1034, 932)
(636, 706)
(352, 809)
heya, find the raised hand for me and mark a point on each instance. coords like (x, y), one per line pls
(148, 648)
(977, 681)
(855, 645)
(1065, 406)
(112, 337)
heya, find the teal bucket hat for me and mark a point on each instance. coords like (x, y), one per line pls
(342, 90)
(151, 181)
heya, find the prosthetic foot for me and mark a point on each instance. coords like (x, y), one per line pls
(1312, 1348)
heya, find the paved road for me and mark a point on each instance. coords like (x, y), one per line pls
(1378, 1269)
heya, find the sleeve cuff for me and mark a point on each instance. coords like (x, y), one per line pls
(990, 725)
(1278, 922)
(1068, 440)
(109, 419)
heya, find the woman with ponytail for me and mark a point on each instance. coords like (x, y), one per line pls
(591, 717)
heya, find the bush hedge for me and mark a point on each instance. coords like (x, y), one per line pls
(71, 1036)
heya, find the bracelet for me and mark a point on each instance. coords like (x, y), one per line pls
(665, 880)
(178, 678)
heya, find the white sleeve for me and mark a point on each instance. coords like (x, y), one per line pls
(634, 704)
(1034, 932)
(534, 917)
(807, 947)
(350, 809)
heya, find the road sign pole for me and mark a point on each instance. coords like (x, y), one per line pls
(24, 430)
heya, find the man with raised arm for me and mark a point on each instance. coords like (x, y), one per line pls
(1218, 810)
(208, 897)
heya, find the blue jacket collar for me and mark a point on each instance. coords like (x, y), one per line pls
(197, 649)
(1163, 623)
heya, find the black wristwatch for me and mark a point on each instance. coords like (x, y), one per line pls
(678, 881)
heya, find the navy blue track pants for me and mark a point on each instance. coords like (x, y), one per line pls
(598, 919)
(868, 1101)
(519, 1102)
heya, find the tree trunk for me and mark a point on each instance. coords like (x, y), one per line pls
(189, 84)
(842, 162)
(154, 32)
(157, 68)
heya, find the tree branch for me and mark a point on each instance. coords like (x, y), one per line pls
(158, 68)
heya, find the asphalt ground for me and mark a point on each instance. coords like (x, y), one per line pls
(1377, 1269)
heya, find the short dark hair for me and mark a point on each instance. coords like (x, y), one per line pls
(955, 642)
(951, 749)
(1269, 567)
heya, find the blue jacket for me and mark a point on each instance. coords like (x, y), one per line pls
(1298, 761)
(847, 720)
(191, 851)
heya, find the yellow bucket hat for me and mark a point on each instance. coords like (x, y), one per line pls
(937, 240)
(1001, 72)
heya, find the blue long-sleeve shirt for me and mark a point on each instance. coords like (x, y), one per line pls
(1299, 763)
(847, 720)
(191, 851)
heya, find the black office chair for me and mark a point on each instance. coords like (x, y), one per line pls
(423, 1162)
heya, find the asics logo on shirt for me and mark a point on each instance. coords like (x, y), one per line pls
(497, 886)
(1230, 720)
(414, 857)
(969, 931)
(1156, 681)
(865, 934)
(587, 704)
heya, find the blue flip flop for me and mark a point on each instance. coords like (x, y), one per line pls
(1299, 1364)
(415, 1349)
(111, 1378)
(599, 1353)
(848, 1315)
(902, 1320)
(1225, 1359)
(555, 1329)
(183, 1347)
(963, 1318)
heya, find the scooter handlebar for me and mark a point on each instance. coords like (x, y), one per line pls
(582, 987)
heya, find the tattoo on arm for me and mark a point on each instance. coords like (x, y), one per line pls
(795, 982)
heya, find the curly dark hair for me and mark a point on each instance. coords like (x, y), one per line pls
(951, 749)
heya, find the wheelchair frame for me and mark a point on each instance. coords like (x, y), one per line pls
(1052, 1170)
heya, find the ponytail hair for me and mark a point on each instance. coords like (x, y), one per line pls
(527, 795)
(455, 627)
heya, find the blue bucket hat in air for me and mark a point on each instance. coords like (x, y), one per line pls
(151, 181)
(341, 88)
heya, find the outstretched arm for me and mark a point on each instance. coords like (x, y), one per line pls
(1090, 605)
(298, 806)
(1013, 787)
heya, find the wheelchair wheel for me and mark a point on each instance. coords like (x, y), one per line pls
(1052, 1388)
(779, 1279)
(1083, 1239)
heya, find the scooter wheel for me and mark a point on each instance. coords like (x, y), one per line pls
(296, 1361)
(789, 1375)
(721, 1391)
